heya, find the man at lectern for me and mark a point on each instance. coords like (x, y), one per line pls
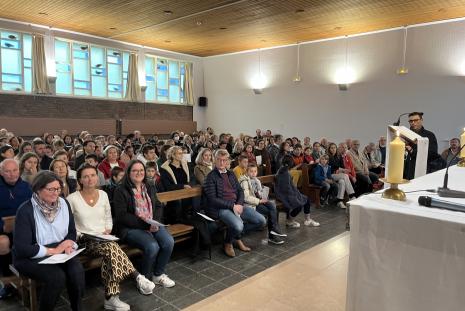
(434, 162)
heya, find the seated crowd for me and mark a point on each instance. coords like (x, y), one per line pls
(64, 190)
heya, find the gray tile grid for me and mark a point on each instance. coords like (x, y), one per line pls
(198, 278)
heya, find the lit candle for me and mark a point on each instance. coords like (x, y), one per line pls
(395, 171)
(462, 142)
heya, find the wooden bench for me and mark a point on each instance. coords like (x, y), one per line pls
(180, 232)
(308, 188)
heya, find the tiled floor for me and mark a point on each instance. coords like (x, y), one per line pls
(312, 280)
(199, 278)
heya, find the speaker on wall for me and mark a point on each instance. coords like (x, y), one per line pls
(203, 101)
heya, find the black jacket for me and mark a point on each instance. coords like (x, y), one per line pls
(124, 206)
(25, 242)
(213, 192)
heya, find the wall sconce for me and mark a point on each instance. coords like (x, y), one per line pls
(345, 76)
(259, 81)
(343, 87)
(404, 70)
(297, 78)
(257, 91)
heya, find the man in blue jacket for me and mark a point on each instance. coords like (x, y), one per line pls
(13, 192)
(225, 201)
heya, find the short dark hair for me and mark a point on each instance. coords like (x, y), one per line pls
(116, 170)
(59, 153)
(91, 156)
(146, 148)
(151, 164)
(416, 113)
(81, 168)
(242, 157)
(37, 142)
(42, 179)
(85, 143)
(287, 161)
(297, 146)
(251, 165)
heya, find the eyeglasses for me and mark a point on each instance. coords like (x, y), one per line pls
(51, 190)
(137, 171)
(413, 120)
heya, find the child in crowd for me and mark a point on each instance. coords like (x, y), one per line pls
(322, 177)
(255, 196)
(297, 156)
(117, 174)
(153, 176)
(316, 153)
(308, 159)
(241, 168)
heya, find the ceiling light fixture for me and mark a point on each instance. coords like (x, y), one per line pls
(43, 13)
(259, 83)
(168, 12)
(345, 76)
(223, 28)
(299, 11)
(297, 78)
(112, 28)
(199, 23)
(404, 70)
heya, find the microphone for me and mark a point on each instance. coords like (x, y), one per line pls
(438, 203)
(397, 123)
(446, 192)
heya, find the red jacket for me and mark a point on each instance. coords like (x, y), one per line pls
(105, 167)
(349, 165)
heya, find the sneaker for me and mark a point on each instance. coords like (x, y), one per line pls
(292, 224)
(164, 281)
(115, 304)
(311, 222)
(275, 240)
(7, 291)
(341, 204)
(144, 286)
(277, 233)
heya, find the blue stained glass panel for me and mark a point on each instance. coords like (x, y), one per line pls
(11, 61)
(174, 81)
(27, 46)
(11, 78)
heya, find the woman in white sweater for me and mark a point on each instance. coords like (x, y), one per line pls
(92, 214)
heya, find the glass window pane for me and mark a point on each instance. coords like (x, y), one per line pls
(61, 51)
(114, 74)
(63, 83)
(97, 55)
(174, 94)
(81, 92)
(174, 69)
(27, 79)
(150, 91)
(11, 61)
(27, 46)
(81, 70)
(99, 86)
(12, 87)
(11, 78)
(114, 95)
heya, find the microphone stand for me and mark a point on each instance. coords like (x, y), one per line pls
(397, 123)
(446, 192)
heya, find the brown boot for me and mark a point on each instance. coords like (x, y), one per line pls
(242, 246)
(229, 250)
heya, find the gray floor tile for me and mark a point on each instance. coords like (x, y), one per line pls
(188, 300)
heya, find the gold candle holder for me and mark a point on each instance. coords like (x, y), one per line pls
(394, 193)
(461, 163)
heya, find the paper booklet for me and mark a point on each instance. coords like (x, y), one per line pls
(60, 258)
(265, 192)
(205, 216)
(156, 223)
(103, 237)
(259, 159)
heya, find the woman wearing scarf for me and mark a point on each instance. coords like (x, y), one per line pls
(92, 213)
(136, 205)
(44, 226)
(203, 165)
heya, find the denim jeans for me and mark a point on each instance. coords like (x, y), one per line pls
(268, 210)
(248, 221)
(157, 248)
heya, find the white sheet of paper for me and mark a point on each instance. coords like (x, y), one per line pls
(107, 237)
(265, 192)
(156, 223)
(61, 258)
(187, 157)
(205, 216)
(259, 159)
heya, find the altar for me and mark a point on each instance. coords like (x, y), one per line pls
(407, 257)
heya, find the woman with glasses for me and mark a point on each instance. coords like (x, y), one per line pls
(44, 226)
(92, 213)
(136, 206)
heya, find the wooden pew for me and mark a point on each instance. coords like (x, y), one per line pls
(308, 188)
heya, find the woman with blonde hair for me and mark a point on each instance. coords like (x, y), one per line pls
(203, 165)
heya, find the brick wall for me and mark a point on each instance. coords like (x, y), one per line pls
(29, 106)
